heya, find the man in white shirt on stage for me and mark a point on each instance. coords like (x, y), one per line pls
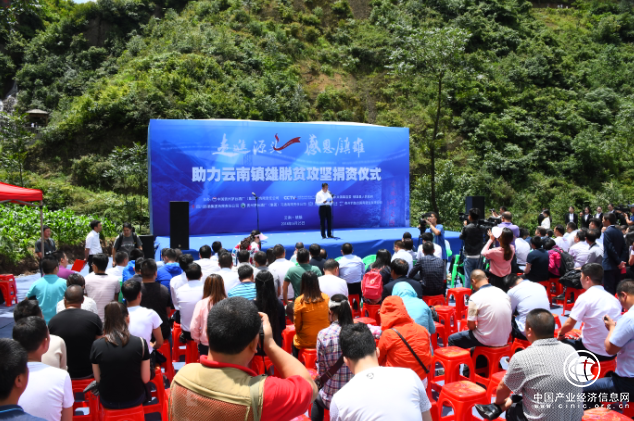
(324, 201)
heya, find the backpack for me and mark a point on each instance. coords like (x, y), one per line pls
(372, 285)
(567, 262)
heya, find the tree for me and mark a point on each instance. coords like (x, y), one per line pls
(9, 14)
(435, 53)
(14, 139)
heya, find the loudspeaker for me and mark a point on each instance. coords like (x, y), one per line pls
(475, 202)
(179, 225)
(148, 245)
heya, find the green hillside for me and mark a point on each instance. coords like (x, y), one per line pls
(528, 106)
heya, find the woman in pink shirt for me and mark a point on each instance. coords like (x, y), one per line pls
(500, 258)
(213, 293)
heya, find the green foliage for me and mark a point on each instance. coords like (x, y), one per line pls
(14, 141)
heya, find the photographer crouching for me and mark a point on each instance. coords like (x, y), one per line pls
(473, 237)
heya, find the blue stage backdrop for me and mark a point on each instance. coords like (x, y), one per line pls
(216, 165)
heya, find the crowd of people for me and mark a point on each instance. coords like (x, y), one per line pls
(234, 305)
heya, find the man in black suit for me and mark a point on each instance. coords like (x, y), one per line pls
(614, 254)
(571, 216)
(585, 217)
(599, 214)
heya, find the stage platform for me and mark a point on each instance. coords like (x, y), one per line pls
(365, 241)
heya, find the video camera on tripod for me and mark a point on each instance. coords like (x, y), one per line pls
(483, 224)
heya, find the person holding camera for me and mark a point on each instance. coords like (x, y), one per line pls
(431, 222)
(473, 240)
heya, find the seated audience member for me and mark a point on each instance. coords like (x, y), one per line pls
(537, 262)
(541, 232)
(310, 313)
(216, 246)
(120, 362)
(223, 387)
(56, 355)
(63, 272)
(267, 302)
(294, 275)
(393, 352)
(121, 260)
(533, 372)
(589, 309)
(488, 318)
(525, 296)
(329, 354)
(49, 392)
(279, 268)
(79, 329)
(408, 244)
(377, 393)
(48, 290)
(401, 253)
(170, 269)
(398, 274)
(184, 260)
(207, 265)
(246, 287)
(14, 377)
(270, 256)
(315, 258)
(619, 342)
(522, 248)
(154, 295)
(428, 237)
(554, 256)
(499, 258)
(229, 277)
(596, 224)
(416, 308)
(244, 258)
(330, 283)
(187, 297)
(382, 264)
(213, 293)
(101, 287)
(432, 271)
(130, 270)
(561, 242)
(579, 249)
(144, 322)
(260, 262)
(323, 254)
(595, 250)
(88, 304)
(571, 230)
(351, 269)
(298, 246)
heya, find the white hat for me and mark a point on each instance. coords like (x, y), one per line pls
(496, 231)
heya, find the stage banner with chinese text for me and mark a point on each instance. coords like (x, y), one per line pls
(216, 165)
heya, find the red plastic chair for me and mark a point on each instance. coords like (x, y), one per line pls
(447, 316)
(191, 353)
(177, 351)
(450, 357)
(496, 379)
(308, 356)
(434, 300)
(519, 345)
(351, 300)
(168, 365)
(372, 311)
(130, 414)
(557, 321)
(89, 401)
(441, 332)
(78, 265)
(10, 292)
(459, 295)
(366, 320)
(287, 338)
(573, 293)
(493, 356)
(462, 397)
(606, 368)
(603, 414)
(549, 289)
(160, 405)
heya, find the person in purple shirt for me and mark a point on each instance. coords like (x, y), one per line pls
(507, 222)
(63, 271)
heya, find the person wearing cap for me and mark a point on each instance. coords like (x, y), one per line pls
(500, 258)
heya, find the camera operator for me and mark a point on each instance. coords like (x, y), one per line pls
(620, 212)
(431, 222)
(473, 239)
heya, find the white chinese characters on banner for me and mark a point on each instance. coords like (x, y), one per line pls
(272, 173)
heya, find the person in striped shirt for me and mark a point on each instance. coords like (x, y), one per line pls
(246, 287)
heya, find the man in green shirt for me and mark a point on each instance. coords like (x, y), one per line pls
(48, 290)
(294, 274)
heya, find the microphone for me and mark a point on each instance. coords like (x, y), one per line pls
(330, 193)
(254, 195)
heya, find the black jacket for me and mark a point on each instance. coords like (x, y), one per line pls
(473, 239)
(585, 220)
(387, 288)
(575, 219)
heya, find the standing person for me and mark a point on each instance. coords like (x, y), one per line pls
(48, 290)
(615, 252)
(585, 217)
(439, 236)
(14, 373)
(143, 322)
(547, 220)
(154, 295)
(127, 241)
(310, 313)
(101, 287)
(473, 241)
(366, 394)
(49, 244)
(323, 199)
(500, 257)
(79, 329)
(571, 216)
(88, 303)
(213, 293)
(599, 214)
(120, 361)
(267, 302)
(351, 269)
(93, 244)
(279, 268)
(49, 392)
(331, 284)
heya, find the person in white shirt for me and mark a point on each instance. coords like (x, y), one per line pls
(229, 277)
(351, 269)
(93, 245)
(590, 309)
(547, 220)
(323, 199)
(298, 246)
(376, 393)
(216, 247)
(489, 316)
(525, 296)
(101, 287)
(244, 257)
(579, 249)
(571, 230)
(559, 238)
(401, 253)
(330, 283)
(206, 263)
(188, 295)
(184, 260)
(49, 391)
(144, 322)
(522, 248)
(121, 259)
(279, 268)
(88, 304)
(428, 237)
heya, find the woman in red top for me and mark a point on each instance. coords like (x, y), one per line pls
(500, 257)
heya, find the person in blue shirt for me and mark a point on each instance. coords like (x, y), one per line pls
(439, 235)
(171, 269)
(48, 290)
(619, 342)
(129, 272)
(14, 376)
(246, 287)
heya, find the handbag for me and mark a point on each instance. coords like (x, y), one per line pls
(411, 350)
(148, 391)
(321, 381)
